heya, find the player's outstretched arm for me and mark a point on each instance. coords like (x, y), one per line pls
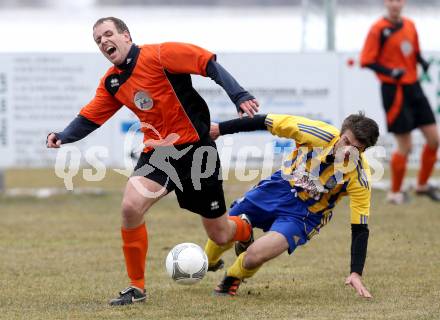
(78, 129)
(395, 73)
(243, 100)
(245, 124)
(359, 244)
(187, 58)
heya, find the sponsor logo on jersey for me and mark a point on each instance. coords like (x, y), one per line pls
(214, 205)
(114, 82)
(313, 187)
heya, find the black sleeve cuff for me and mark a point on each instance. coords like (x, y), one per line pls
(423, 62)
(379, 68)
(79, 128)
(359, 244)
(244, 124)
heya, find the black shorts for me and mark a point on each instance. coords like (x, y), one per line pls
(414, 111)
(195, 176)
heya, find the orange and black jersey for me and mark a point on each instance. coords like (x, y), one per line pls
(155, 84)
(391, 46)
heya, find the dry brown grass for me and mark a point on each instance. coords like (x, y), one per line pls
(61, 259)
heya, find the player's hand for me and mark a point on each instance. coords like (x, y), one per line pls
(250, 107)
(214, 132)
(52, 141)
(355, 281)
(397, 73)
(426, 66)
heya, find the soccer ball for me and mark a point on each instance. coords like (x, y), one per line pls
(187, 263)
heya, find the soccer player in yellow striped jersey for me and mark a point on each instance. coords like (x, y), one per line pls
(297, 201)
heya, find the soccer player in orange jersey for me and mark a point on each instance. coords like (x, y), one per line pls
(392, 51)
(154, 82)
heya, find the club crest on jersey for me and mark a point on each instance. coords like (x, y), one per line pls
(143, 101)
(406, 47)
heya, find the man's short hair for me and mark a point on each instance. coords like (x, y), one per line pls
(365, 130)
(119, 24)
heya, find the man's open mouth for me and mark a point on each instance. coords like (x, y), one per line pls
(110, 50)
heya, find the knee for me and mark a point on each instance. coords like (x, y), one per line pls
(219, 230)
(130, 210)
(405, 149)
(433, 144)
(253, 258)
(220, 238)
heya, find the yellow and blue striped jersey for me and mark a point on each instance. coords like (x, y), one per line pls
(318, 179)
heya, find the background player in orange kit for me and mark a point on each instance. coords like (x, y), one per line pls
(154, 82)
(392, 51)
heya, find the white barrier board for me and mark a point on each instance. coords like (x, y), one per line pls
(40, 93)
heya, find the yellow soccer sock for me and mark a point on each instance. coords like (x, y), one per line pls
(214, 251)
(238, 271)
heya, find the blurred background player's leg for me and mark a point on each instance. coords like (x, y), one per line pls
(398, 168)
(427, 161)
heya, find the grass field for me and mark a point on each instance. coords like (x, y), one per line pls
(61, 258)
